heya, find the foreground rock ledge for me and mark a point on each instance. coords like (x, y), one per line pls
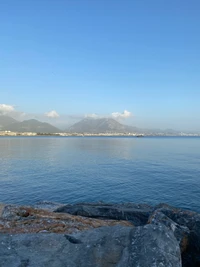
(98, 235)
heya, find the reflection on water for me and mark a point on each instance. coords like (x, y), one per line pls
(74, 169)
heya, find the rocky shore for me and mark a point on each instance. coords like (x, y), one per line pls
(98, 235)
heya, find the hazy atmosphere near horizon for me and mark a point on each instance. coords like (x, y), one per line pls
(135, 61)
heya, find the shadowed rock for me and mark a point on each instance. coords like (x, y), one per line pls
(191, 220)
(182, 217)
(191, 257)
(136, 213)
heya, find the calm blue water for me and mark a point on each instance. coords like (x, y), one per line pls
(76, 169)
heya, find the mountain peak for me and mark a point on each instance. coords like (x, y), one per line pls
(31, 125)
(6, 120)
(99, 125)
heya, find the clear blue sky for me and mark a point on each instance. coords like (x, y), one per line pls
(101, 56)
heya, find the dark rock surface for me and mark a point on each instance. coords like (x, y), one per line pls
(138, 214)
(191, 220)
(182, 217)
(191, 257)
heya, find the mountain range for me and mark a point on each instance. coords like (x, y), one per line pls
(86, 125)
(109, 125)
(9, 124)
(6, 120)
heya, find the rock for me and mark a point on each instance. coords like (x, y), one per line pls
(191, 220)
(182, 217)
(191, 257)
(136, 213)
(99, 234)
(116, 246)
(152, 245)
(180, 232)
(25, 219)
(102, 247)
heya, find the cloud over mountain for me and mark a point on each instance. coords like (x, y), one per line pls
(124, 115)
(59, 120)
(116, 115)
(6, 109)
(93, 115)
(52, 114)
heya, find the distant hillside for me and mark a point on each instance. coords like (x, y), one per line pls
(32, 126)
(6, 120)
(103, 125)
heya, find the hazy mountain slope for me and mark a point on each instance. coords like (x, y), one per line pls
(6, 120)
(32, 126)
(103, 125)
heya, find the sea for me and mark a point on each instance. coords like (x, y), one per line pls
(148, 170)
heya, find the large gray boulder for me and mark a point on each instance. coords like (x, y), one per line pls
(182, 217)
(138, 214)
(151, 246)
(180, 232)
(116, 246)
(185, 219)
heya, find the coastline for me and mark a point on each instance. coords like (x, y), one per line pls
(107, 134)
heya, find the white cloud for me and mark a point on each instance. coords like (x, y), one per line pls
(124, 115)
(6, 109)
(117, 115)
(52, 114)
(93, 115)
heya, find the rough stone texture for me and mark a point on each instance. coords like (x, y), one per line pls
(182, 217)
(138, 214)
(23, 219)
(147, 246)
(96, 248)
(152, 245)
(180, 232)
(191, 220)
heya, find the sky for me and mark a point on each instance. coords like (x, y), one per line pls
(137, 61)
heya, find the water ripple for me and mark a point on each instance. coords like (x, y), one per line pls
(150, 170)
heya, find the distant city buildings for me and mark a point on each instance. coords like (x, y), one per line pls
(10, 133)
